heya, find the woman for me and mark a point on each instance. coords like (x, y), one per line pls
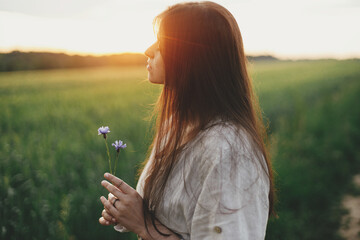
(209, 174)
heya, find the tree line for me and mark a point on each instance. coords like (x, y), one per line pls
(17, 60)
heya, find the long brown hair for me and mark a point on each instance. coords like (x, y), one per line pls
(205, 78)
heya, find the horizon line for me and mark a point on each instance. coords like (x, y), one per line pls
(253, 54)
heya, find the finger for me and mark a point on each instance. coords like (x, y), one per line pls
(111, 188)
(116, 203)
(112, 217)
(111, 197)
(119, 183)
(104, 222)
(108, 206)
(103, 200)
(108, 217)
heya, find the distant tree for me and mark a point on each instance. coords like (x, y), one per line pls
(17, 60)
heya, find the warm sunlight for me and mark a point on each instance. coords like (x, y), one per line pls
(284, 29)
(92, 33)
(107, 132)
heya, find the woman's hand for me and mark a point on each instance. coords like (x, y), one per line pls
(107, 219)
(126, 209)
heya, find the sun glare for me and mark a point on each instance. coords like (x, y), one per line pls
(121, 26)
(83, 35)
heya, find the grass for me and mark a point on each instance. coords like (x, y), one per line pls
(52, 160)
(315, 151)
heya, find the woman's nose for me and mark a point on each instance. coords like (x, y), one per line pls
(150, 51)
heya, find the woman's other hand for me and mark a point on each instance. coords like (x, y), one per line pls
(106, 218)
(126, 208)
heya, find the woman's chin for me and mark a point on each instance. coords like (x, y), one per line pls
(154, 81)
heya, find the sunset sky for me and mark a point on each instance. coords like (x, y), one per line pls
(283, 28)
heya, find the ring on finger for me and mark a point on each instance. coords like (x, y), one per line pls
(115, 202)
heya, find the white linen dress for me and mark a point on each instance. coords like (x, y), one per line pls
(217, 189)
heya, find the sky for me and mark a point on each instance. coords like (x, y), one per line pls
(282, 28)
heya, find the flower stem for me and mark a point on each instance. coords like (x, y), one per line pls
(108, 153)
(117, 159)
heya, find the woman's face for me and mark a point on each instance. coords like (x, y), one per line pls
(155, 67)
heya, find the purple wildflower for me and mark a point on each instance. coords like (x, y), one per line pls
(103, 130)
(119, 145)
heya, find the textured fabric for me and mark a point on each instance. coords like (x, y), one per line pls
(218, 189)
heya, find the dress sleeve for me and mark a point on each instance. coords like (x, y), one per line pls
(233, 200)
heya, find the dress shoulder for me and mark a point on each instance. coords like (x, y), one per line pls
(221, 139)
(227, 153)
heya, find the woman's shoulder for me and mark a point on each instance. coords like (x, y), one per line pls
(221, 135)
(225, 152)
(220, 143)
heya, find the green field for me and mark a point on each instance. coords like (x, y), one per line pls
(52, 160)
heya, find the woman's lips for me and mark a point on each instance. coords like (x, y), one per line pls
(148, 67)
